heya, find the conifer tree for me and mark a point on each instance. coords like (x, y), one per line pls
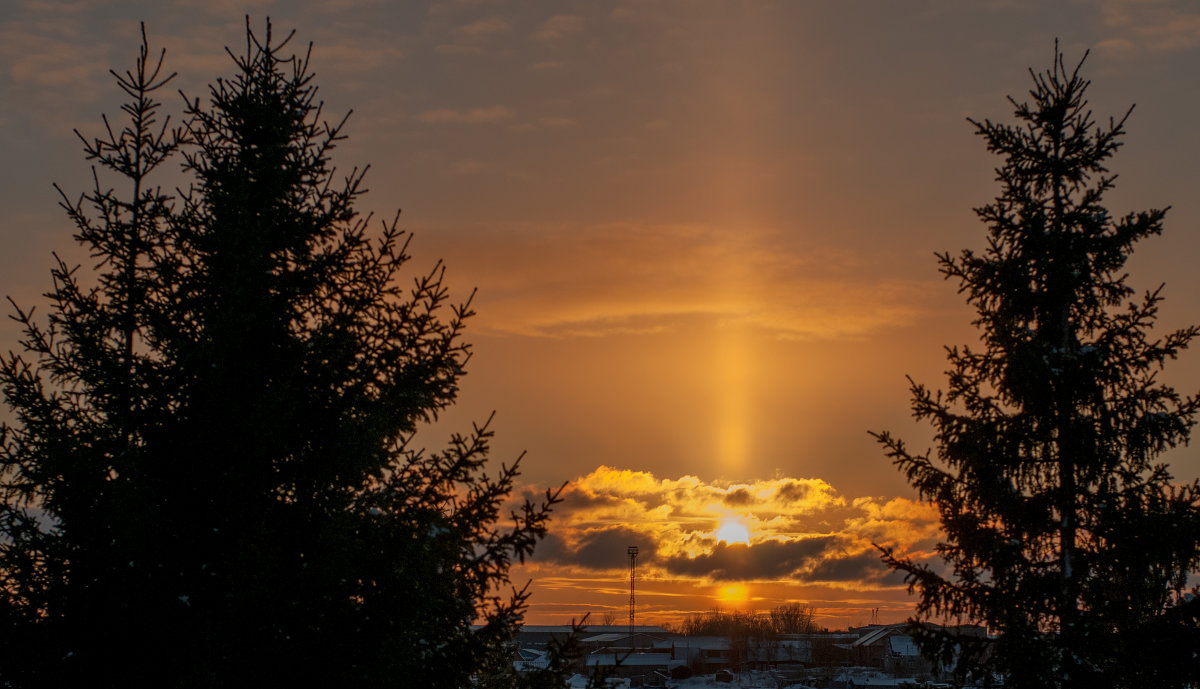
(1064, 532)
(212, 477)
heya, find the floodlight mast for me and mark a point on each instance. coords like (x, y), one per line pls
(633, 553)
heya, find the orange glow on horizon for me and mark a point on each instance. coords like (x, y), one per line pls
(710, 543)
(735, 595)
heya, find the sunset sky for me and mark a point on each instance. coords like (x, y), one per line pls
(702, 235)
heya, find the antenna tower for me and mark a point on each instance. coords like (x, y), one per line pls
(633, 553)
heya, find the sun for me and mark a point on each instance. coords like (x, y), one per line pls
(732, 531)
(733, 594)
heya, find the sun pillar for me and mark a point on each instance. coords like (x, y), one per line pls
(733, 399)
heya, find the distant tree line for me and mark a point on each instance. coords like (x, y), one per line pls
(753, 635)
(790, 618)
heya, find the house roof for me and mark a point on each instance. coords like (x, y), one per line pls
(706, 642)
(629, 659)
(593, 629)
(903, 645)
(616, 637)
(877, 634)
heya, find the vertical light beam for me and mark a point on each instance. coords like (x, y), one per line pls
(733, 398)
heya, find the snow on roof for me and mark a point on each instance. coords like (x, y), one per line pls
(530, 665)
(902, 645)
(876, 634)
(605, 638)
(629, 660)
(703, 642)
(615, 637)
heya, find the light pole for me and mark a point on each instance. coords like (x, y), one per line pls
(633, 552)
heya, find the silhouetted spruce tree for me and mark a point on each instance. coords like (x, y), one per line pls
(210, 479)
(1063, 533)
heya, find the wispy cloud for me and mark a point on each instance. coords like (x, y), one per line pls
(1152, 25)
(612, 279)
(58, 6)
(222, 8)
(482, 115)
(343, 5)
(543, 123)
(47, 68)
(474, 37)
(485, 27)
(45, 49)
(357, 59)
(558, 27)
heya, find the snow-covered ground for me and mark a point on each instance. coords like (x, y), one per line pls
(744, 680)
(741, 680)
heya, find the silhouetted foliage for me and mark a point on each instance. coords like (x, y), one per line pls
(793, 618)
(1063, 533)
(752, 635)
(789, 618)
(726, 623)
(210, 480)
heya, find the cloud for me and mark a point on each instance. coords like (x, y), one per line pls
(739, 497)
(543, 123)
(329, 6)
(50, 72)
(898, 520)
(596, 548)
(473, 38)
(863, 566)
(58, 6)
(221, 8)
(558, 27)
(801, 529)
(624, 278)
(485, 27)
(766, 560)
(1150, 24)
(482, 115)
(355, 59)
(49, 55)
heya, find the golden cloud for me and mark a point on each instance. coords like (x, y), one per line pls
(800, 529)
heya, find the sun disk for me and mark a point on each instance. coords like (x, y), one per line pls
(732, 531)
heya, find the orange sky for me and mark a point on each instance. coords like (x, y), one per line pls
(705, 544)
(702, 234)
